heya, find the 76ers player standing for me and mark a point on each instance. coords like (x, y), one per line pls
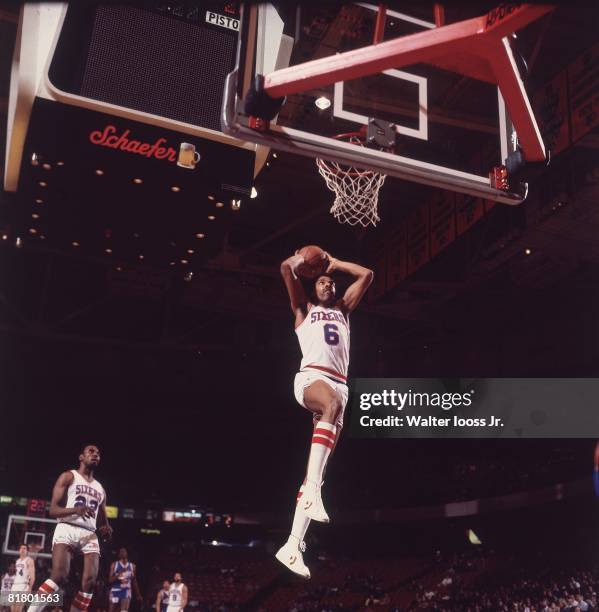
(322, 328)
(78, 502)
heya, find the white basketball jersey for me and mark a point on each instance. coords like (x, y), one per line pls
(83, 493)
(7, 582)
(324, 340)
(175, 594)
(22, 566)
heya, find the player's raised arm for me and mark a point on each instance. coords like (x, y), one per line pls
(59, 495)
(355, 292)
(295, 289)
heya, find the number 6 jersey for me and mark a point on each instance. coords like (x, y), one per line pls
(324, 340)
(83, 493)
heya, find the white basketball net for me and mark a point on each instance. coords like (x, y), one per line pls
(356, 191)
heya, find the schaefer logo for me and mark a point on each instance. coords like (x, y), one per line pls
(109, 137)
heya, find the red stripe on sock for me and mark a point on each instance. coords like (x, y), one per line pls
(81, 601)
(84, 596)
(46, 588)
(323, 441)
(319, 431)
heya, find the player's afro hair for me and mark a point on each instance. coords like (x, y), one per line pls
(84, 446)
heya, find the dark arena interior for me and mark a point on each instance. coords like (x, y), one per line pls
(142, 311)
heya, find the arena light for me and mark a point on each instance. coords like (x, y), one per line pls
(99, 172)
(235, 204)
(254, 193)
(473, 538)
(322, 103)
(527, 252)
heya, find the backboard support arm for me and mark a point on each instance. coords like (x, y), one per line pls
(447, 47)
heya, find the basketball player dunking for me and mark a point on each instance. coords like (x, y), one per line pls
(78, 503)
(177, 595)
(322, 328)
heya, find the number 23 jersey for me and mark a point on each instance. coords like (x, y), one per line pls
(324, 340)
(83, 493)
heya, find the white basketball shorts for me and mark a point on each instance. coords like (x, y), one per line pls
(304, 379)
(78, 539)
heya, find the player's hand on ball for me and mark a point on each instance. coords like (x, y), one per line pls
(331, 263)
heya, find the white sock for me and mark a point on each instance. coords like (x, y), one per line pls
(81, 602)
(300, 520)
(323, 440)
(46, 588)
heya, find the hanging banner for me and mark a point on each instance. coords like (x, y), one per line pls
(379, 283)
(418, 232)
(397, 258)
(468, 211)
(442, 210)
(551, 110)
(583, 78)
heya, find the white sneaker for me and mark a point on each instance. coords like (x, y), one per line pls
(311, 503)
(290, 555)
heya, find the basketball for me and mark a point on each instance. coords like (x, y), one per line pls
(315, 261)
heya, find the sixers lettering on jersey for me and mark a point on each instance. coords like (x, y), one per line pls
(324, 340)
(90, 491)
(327, 316)
(83, 493)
